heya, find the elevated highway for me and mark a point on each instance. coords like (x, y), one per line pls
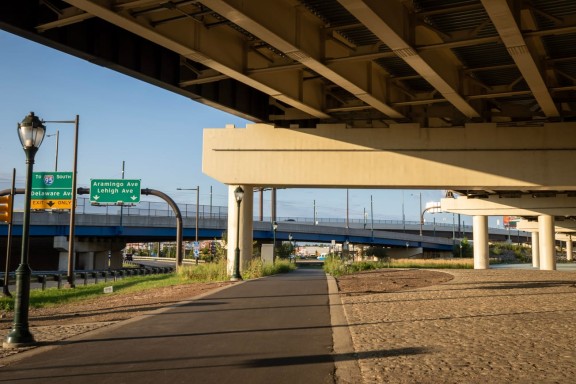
(475, 97)
(103, 231)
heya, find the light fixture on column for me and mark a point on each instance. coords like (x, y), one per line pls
(31, 133)
(238, 195)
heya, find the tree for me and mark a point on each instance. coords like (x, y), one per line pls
(379, 252)
(285, 250)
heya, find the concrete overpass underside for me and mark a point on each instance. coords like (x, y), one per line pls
(472, 96)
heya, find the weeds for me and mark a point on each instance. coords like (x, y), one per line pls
(204, 272)
(207, 272)
(336, 267)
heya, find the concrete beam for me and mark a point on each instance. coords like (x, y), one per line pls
(522, 206)
(477, 156)
(279, 25)
(379, 20)
(218, 48)
(503, 19)
(560, 226)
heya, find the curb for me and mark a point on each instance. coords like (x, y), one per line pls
(345, 359)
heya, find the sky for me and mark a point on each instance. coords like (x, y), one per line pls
(156, 134)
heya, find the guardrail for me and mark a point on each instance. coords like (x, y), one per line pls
(41, 279)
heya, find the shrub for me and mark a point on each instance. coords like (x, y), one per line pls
(334, 266)
(257, 268)
(205, 272)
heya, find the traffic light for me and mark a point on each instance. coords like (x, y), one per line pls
(6, 208)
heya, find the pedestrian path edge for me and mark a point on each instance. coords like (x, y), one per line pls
(345, 359)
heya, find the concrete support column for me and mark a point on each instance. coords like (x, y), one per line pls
(547, 249)
(535, 250)
(569, 248)
(481, 250)
(246, 226)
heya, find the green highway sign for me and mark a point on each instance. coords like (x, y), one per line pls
(51, 190)
(114, 191)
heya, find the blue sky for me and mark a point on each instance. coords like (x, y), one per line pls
(158, 135)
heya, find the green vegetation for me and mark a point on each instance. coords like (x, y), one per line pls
(464, 249)
(188, 274)
(335, 266)
(204, 272)
(218, 272)
(510, 253)
(54, 296)
(258, 269)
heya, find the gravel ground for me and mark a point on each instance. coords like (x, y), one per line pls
(482, 326)
(407, 326)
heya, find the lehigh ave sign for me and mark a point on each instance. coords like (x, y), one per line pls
(115, 191)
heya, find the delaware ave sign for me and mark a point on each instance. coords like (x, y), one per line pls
(51, 190)
(114, 191)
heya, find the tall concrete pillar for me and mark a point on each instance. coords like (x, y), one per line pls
(535, 250)
(246, 226)
(569, 248)
(481, 250)
(547, 249)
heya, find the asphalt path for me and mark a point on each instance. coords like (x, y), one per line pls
(270, 330)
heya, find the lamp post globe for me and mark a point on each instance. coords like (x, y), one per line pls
(31, 132)
(238, 195)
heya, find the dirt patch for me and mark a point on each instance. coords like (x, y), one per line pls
(112, 307)
(389, 280)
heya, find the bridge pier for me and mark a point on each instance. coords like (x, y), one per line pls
(481, 249)
(246, 227)
(569, 248)
(547, 248)
(90, 253)
(535, 249)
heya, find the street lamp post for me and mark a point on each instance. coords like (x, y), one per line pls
(420, 211)
(274, 228)
(421, 217)
(71, 243)
(291, 247)
(239, 195)
(57, 134)
(197, 189)
(31, 133)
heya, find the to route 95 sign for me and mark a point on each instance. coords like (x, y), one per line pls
(51, 190)
(114, 191)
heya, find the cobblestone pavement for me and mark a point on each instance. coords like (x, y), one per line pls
(489, 326)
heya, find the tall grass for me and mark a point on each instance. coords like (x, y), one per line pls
(204, 272)
(218, 271)
(336, 267)
(433, 263)
(208, 272)
(257, 268)
(54, 296)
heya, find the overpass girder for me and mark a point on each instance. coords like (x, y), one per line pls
(221, 49)
(526, 205)
(561, 226)
(475, 157)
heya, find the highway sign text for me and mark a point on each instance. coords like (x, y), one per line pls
(114, 191)
(51, 190)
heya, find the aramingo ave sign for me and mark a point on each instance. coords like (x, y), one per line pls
(114, 191)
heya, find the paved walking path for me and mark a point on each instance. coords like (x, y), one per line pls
(270, 330)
